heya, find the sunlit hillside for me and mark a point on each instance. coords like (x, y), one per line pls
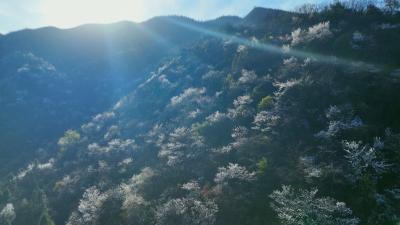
(276, 117)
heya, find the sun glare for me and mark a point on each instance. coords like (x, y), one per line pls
(67, 13)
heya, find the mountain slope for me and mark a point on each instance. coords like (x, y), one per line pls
(53, 79)
(251, 121)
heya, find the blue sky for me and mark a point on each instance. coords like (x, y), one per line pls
(19, 14)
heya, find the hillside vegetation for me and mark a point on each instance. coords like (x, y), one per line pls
(276, 118)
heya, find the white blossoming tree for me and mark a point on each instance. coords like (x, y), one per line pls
(304, 208)
(233, 172)
(242, 107)
(182, 143)
(188, 210)
(363, 158)
(7, 214)
(319, 31)
(89, 208)
(130, 191)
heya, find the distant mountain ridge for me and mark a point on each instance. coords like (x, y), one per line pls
(256, 14)
(259, 14)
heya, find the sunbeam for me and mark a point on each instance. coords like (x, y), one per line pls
(329, 59)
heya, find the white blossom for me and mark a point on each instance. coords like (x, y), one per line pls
(239, 132)
(358, 36)
(297, 36)
(233, 171)
(241, 49)
(104, 117)
(70, 138)
(333, 112)
(264, 120)
(125, 162)
(361, 157)
(130, 191)
(184, 211)
(216, 117)
(247, 77)
(240, 138)
(103, 166)
(35, 66)
(194, 114)
(242, 100)
(99, 121)
(224, 149)
(112, 132)
(7, 214)
(120, 103)
(310, 169)
(242, 107)
(378, 143)
(46, 166)
(190, 94)
(139, 179)
(191, 186)
(89, 208)
(284, 86)
(304, 207)
(386, 26)
(286, 48)
(339, 119)
(66, 183)
(212, 74)
(115, 145)
(181, 143)
(291, 62)
(319, 31)
(21, 175)
(164, 80)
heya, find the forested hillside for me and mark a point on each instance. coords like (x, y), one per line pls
(279, 117)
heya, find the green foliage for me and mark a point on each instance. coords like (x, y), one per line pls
(58, 186)
(262, 166)
(45, 219)
(229, 79)
(70, 138)
(265, 103)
